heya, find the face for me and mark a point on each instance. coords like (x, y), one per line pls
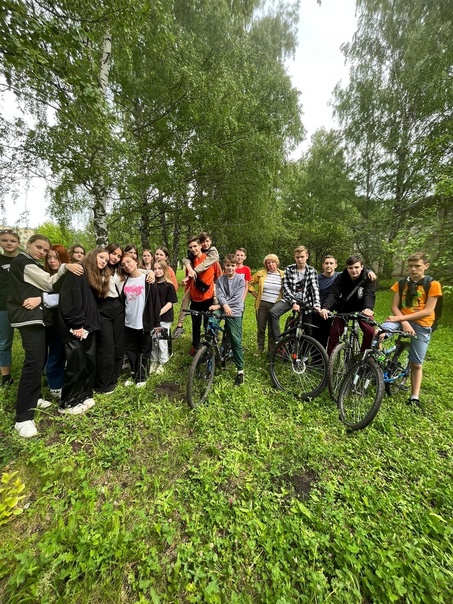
(240, 257)
(53, 261)
(146, 256)
(115, 256)
(417, 269)
(78, 254)
(133, 253)
(301, 259)
(9, 243)
(328, 266)
(230, 268)
(271, 266)
(38, 249)
(206, 243)
(160, 255)
(354, 270)
(158, 271)
(129, 264)
(102, 260)
(195, 248)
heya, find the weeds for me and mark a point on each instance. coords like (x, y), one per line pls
(254, 497)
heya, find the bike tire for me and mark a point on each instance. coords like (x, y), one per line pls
(361, 394)
(305, 376)
(397, 369)
(201, 376)
(341, 359)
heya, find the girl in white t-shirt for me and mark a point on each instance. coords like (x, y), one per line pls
(142, 316)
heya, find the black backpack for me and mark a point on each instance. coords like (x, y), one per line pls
(426, 285)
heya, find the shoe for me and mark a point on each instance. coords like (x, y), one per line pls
(55, 393)
(42, 404)
(6, 381)
(415, 403)
(141, 384)
(76, 410)
(193, 351)
(160, 370)
(178, 332)
(239, 379)
(26, 429)
(152, 368)
(129, 382)
(88, 403)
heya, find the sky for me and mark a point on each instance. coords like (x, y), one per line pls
(318, 66)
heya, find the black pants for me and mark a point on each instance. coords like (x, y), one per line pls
(80, 371)
(29, 390)
(323, 329)
(138, 350)
(196, 321)
(110, 345)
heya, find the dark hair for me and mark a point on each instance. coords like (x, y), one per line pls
(110, 248)
(353, 259)
(203, 236)
(241, 249)
(62, 255)
(418, 256)
(164, 249)
(195, 238)
(131, 247)
(73, 248)
(96, 278)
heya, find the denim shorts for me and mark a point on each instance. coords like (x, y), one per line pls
(419, 345)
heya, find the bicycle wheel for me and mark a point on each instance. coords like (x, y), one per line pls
(397, 369)
(361, 394)
(340, 361)
(299, 367)
(201, 376)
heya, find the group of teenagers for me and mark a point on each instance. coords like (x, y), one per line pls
(78, 314)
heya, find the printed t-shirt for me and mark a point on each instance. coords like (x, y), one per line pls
(134, 292)
(419, 301)
(244, 270)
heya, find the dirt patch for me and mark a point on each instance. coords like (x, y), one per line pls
(301, 483)
(171, 390)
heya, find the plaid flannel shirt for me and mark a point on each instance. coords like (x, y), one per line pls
(310, 294)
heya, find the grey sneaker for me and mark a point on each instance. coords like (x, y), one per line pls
(178, 332)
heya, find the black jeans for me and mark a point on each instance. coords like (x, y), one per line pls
(29, 390)
(138, 350)
(196, 321)
(110, 345)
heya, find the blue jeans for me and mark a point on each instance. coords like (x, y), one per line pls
(6, 339)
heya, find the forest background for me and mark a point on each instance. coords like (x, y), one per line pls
(157, 120)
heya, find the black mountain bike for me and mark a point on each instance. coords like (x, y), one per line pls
(298, 362)
(211, 352)
(345, 352)
(381, 368)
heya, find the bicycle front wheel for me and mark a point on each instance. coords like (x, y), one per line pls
(361, 394)
(397, 369)
(298, 366)
(340, 361)
(201, 376)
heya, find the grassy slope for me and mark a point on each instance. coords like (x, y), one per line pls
(253, 498)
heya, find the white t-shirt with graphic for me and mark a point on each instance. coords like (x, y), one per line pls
(134, 291)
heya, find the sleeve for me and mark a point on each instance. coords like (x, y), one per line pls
(288, 295)
(314, 283)
(212, 256)
(155, 302)
(253, 281)
(173, 278)
(435, 289)
(34, 275)
(369, 298)
(333, 295)
(171, 294)
(71, 303)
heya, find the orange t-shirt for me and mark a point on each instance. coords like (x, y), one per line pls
(419, 301)
(207, 277)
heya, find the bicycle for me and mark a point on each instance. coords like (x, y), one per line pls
(202, 370)
(298, 362)
(363, 386)
(345, 352)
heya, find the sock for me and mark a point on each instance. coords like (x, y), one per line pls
(414, 398)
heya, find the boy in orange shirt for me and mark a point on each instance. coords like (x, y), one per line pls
(413, 312)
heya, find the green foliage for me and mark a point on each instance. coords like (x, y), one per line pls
(10, 489)
(254, 497)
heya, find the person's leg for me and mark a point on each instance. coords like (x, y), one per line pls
(368, 335)
(163, 354)
(322, 330)
(90, 359)
(143, 341)
(118, 339)
(56, 359)
(234, 328)
(417, 353)
(6, 344)
(105, 350)
(72, 393)
(132, 349)
(262, 317)
(29, 390)
(278, 309)
(335, 334)
(196, 321)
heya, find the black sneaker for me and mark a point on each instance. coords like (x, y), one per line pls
(7, 382)
(415, 404)
(239, 379)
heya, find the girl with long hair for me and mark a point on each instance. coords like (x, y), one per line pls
(147, 260)
(162, 253)
(167, 296)
(76, 253)
(28, 281)
(79, 323)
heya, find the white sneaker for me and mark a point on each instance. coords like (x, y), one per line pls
(26, 429)
(42, 404)
(88, 403)
(153, 367)
(56, 393)
(141, 384)
(129, 382)
(76, 410)
(160, 369)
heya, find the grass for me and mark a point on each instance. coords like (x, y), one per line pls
(254, 497)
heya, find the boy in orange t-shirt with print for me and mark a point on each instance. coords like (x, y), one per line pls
(413, 312)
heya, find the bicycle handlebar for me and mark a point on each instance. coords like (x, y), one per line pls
(206, 313)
